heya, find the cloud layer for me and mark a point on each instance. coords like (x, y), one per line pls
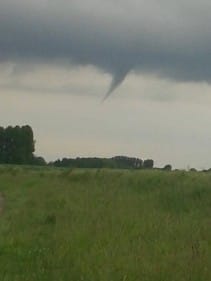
(171, 39)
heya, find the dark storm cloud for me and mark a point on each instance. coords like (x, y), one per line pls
(171, 39)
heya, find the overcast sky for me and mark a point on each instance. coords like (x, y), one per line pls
(60, 58)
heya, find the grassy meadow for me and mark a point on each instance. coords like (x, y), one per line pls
(104, 225)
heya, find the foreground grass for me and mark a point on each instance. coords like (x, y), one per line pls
(101, 225)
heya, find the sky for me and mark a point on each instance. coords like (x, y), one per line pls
(105, 78)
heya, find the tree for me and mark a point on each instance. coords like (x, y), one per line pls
(167, 167)
(16, 145)
(2, 145)
(27, 143)
(148, 164)
(38, 161)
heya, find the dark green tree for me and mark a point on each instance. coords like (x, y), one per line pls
(2, 145)
(27, 144)
(16, 145)
(167, 167)
(148, 164)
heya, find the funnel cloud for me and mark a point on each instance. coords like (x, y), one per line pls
(117, 79)
(158, 37)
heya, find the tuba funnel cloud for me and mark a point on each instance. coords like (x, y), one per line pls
(118, 78)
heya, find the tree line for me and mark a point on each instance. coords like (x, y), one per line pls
(117, 162)
(17, 146)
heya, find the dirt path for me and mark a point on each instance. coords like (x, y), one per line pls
(1, 203)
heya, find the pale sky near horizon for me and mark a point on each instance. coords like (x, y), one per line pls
(58, 59)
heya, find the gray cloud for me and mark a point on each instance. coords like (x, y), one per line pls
(171, 39)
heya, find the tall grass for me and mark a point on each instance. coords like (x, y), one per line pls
(100, 225)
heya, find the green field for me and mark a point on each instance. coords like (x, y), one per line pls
(104, 225)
